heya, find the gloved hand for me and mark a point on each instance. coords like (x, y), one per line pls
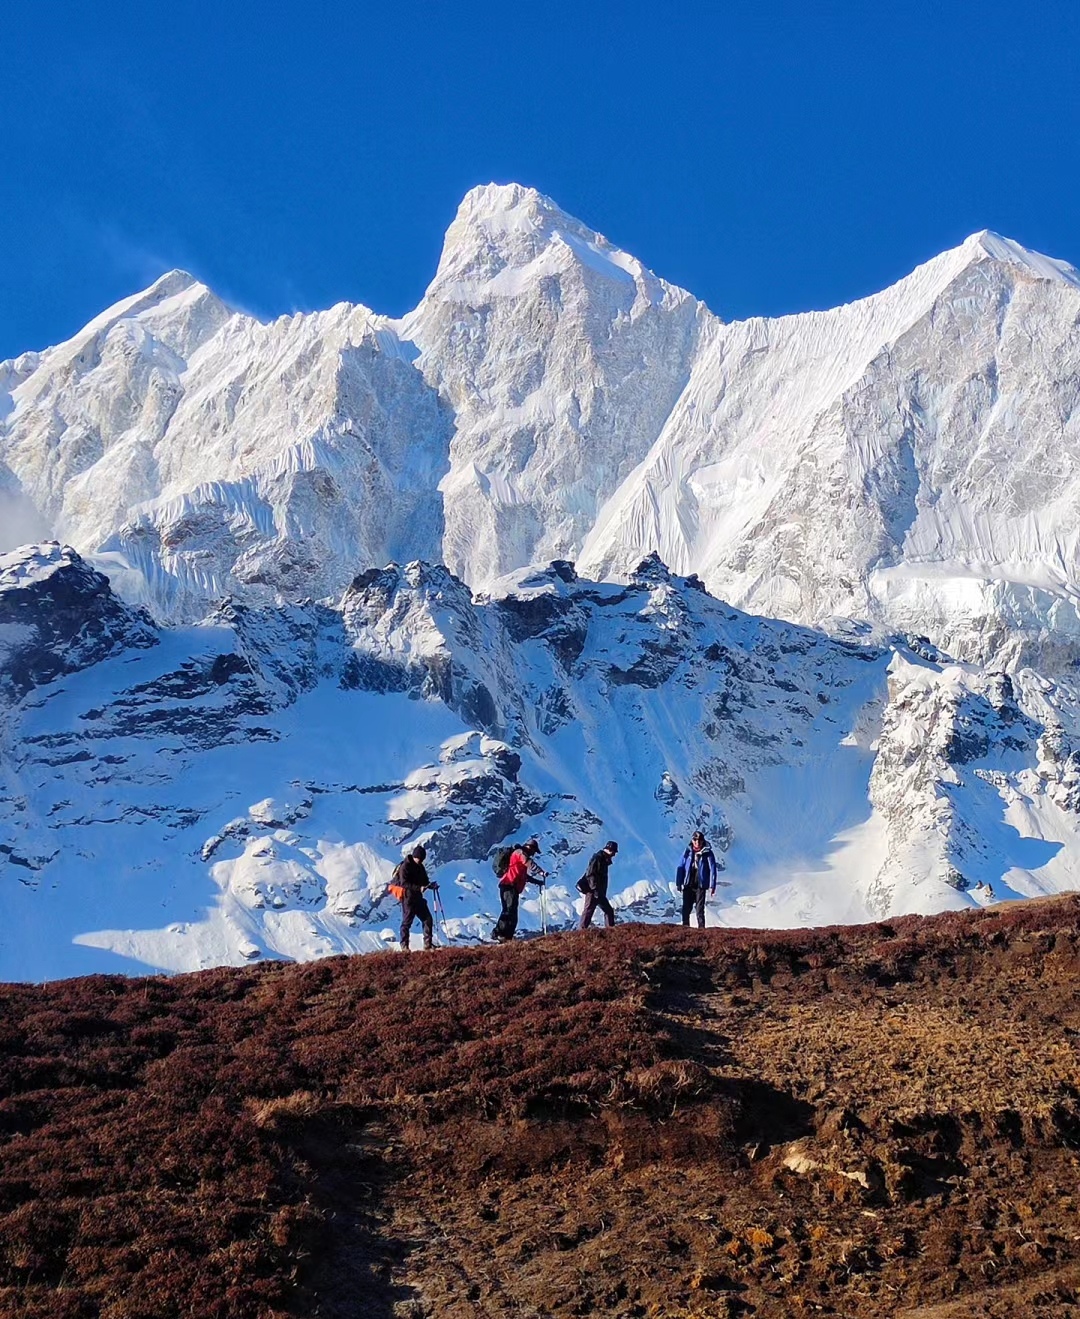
(434, 888)
(678, 886)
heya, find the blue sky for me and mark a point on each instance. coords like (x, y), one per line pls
(770, 156)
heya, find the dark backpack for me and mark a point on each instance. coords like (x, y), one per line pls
(500, 862)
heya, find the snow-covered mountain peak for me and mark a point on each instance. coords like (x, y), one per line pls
(560, 357)
(552, 399)
(506, 214)
(171, 284)
(506, 236)
(986, 243)
(908, 458)
(502, 206)
(150, 333)
(196, 451)
(32, 563)
(176, 305)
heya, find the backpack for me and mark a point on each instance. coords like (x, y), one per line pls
(500, 862)
(397, 886)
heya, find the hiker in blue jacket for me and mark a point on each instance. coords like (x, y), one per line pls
(696, 878)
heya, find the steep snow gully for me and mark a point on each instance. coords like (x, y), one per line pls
(222, 718)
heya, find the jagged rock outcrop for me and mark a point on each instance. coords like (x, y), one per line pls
(243, 789)
(57, 614)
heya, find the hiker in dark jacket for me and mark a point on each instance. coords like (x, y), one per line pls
(411, 877)
(594, 885)
(696, 878)
(522, 870)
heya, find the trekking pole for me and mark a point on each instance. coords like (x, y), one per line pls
(543, 908)
(440, 911)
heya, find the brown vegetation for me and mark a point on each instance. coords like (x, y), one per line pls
(642, 1122)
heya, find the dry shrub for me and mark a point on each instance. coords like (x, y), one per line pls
(665, 1084)
(174, 1147)
(274, 1114)
(159, 1134)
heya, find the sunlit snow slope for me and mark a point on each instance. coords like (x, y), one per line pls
(242, 789)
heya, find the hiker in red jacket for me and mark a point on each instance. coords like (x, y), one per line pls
(522, 870)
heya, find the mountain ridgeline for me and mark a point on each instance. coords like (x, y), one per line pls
(559, 551)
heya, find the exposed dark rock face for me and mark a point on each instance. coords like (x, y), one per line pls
(58, 615)
(291, 647)
(466, 814)
(434, 609)
(557, 617)
(654, 664)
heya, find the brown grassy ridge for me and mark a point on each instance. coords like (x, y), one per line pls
(867, 1121)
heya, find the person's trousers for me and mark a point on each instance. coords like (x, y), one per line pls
(506, 925)
(592, 901)
(693, 898)
(414, 906)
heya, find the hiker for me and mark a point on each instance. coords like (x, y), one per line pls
(594, 885)
(521, 869)
(696, 878)
(410, 883)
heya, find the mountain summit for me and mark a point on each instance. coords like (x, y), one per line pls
(1005, 249)
(908, 459)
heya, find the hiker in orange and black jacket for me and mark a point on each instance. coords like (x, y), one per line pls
(522, 870)
(411, 877)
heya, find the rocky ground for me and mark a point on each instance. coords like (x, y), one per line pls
(879, 1120)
